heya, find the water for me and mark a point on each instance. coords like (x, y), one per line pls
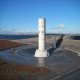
(16, 36)
(4, 36)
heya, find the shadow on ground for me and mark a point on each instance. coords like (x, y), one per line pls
(58, 43)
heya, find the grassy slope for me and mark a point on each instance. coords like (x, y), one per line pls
(5, 44)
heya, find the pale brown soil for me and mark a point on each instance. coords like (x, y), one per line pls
(71, 44)
(34, 41)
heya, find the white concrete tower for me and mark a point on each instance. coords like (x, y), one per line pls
(41, 52)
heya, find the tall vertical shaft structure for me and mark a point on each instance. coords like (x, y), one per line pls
(41, 52)
(42, 34)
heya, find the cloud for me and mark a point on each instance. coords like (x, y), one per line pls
(61, 26)
(58, 29)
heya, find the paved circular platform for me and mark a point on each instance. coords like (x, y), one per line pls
(59, 62)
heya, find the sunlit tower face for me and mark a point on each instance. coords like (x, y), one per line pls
(41, 52)
(41, 34)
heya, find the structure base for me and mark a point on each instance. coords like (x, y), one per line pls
(41, 53)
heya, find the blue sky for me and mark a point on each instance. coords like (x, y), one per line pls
(62, 16)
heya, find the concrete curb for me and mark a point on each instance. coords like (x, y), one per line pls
(66, 74)
(75, 51)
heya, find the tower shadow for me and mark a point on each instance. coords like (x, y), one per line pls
(58, 43)
(51, 51)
